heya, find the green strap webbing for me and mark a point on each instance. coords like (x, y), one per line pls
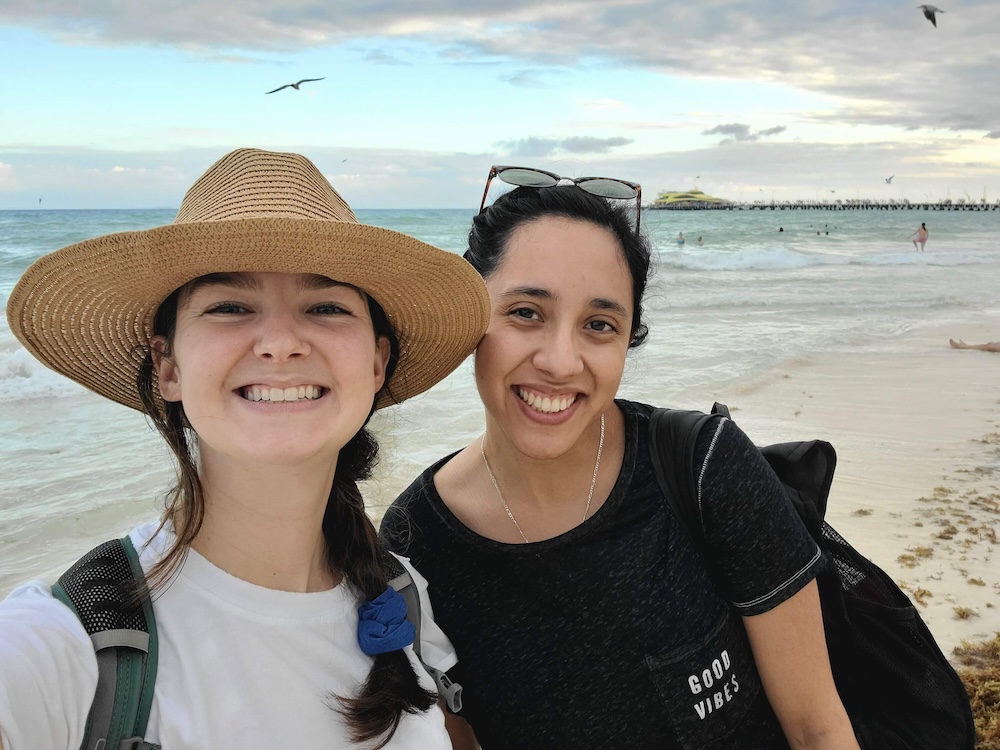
(153, 652)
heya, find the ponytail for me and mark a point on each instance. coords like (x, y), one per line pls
(354, 549)
(392, 687)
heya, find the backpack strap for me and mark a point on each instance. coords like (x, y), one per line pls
(673, 434)
(805, 469)
(401, 580)
(106, 589)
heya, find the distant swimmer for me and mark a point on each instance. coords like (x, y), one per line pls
(680, 238)
(700, 240)
(920, 237)
(929, 11)
(888, 180)
(989, 346)
(294, 85)
(781, 229)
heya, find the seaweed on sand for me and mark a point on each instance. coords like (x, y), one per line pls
(979, 668)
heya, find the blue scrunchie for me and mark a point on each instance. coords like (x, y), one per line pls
(382, 624)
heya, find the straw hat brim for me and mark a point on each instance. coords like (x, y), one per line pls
(86, 311)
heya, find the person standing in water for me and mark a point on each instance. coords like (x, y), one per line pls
(920, 237)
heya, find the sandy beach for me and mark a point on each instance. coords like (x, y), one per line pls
(917, 488)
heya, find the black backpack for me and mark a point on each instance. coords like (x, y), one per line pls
(896, 684)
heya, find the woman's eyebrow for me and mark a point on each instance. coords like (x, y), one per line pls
(314, 281)
(236, 280)
(537, 292)
(602, 303)
(529, 291)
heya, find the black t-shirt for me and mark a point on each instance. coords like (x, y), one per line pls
(612, 634)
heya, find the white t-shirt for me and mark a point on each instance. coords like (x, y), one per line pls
(239, 665)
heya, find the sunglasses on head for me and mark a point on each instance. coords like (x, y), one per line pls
(603, 187)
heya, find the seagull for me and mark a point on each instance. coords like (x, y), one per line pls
(294, 85)
(929, 11)
(888, 180)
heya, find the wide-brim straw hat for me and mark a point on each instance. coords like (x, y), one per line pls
(86, 310)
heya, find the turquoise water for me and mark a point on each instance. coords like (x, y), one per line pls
(747, 301)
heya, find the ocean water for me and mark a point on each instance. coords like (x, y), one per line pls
(76, 470)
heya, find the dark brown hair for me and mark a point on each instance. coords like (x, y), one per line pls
(493, 227)
(353, 547)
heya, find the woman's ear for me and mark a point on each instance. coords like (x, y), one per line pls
(382, 353)
(168, 375)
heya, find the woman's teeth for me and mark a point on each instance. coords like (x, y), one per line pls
(295, 393)
(547, 404)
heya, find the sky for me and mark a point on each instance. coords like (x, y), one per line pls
(118, 104)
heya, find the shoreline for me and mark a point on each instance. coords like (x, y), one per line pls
(916, 426)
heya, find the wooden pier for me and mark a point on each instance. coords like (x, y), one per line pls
(838, 205)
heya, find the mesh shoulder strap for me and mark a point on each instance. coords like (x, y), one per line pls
(106, 589)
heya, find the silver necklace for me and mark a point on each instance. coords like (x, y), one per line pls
(590, 495)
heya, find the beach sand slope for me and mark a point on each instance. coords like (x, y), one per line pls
(916, 426)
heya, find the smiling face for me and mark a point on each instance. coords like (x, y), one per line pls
(554, 353)
(272, 368)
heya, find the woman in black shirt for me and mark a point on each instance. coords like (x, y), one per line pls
(581, 614)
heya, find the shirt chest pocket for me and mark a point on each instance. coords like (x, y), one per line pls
(709, 687)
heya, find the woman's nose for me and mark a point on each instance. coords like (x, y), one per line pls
(559, 354)
(281, 337)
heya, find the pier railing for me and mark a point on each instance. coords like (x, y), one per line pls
(838, 205)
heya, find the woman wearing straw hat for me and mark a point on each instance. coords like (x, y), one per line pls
(581, 613)
(259, 332)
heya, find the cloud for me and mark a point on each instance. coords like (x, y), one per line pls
(535, 147)
(69, 177)
(877, 64)
(7, 181)
(735, 131)
(533, 79)
(992, 134)
(590, 145)
(883, 63)
(598, 105)
(770, 131)
(381, 57)
(738, 131)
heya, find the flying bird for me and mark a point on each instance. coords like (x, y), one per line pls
(294, 85)
(929, 11)
(888, 180)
